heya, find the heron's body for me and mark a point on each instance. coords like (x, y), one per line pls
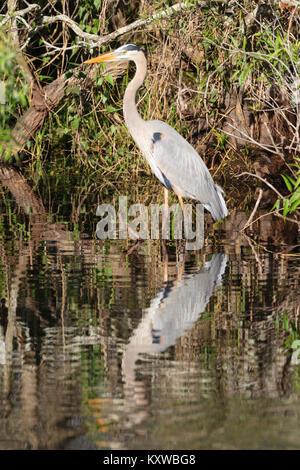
(172, 159)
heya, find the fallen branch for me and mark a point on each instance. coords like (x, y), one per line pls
(49, 98)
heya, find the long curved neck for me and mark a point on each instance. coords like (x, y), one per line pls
(132, 118)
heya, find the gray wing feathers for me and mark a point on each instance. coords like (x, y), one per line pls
(185, 170)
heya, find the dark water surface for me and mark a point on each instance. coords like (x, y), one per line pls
(104, 345)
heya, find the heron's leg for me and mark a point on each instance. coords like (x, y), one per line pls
(165, 260)
(164, 221)
(165, 213)
(181, 270)
(166, 194)
(182, 256)
(181, 202)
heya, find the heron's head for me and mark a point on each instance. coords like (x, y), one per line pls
(127, 52)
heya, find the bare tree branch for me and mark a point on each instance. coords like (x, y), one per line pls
(47, 99)
(100, 40)
(21, 13)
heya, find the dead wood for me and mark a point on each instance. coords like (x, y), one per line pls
(46, 100)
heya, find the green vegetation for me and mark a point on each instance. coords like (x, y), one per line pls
(225, 78)
(14, 93)
(291, 203)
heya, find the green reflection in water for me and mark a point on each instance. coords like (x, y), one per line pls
(107, 345)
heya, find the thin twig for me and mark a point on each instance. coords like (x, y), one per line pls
(249, 221)
(247, 138)
(294, 221)
(100, 40)
(287, 218)
(261, 179)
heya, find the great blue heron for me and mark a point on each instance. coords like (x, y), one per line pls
(172, 159)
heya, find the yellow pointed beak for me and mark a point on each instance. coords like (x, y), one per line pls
(102, 58)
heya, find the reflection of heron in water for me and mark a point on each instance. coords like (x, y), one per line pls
(174, 310)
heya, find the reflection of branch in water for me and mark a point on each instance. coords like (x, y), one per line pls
(254, 253)
(21, 191)
(32, 205)
(174, 310)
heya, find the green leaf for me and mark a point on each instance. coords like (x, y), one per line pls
(73, 52)
(244, 74)
(285, 321)
(297, 183)
(287, 182)
(286, 207)
(244, 43)
(99, 81)
(111, 109)
(110, 79)
(294, 205)
(76, 90)
(276, 205)
(75, 122)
